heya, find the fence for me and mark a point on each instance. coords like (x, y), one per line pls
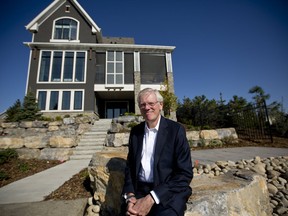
(252, 122)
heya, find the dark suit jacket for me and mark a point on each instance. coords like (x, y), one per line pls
(172, 164)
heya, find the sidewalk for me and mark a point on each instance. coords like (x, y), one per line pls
(209, 156)
(35, 188)
(25, 197)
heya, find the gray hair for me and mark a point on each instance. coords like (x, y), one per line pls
(148, 91)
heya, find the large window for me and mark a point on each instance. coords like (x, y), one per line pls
(60, 100)
(115, 68)
(66, 29)
(62, 66)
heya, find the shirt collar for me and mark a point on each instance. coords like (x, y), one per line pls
(151, 129)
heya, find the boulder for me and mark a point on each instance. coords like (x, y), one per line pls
(61, 154)
(10, 142)
(35, 142)
(26, 153)
(62, 142)
(225, 195)
(26, 124)
(227, 132)
(209, 134)
(192, 135)
(229, 194)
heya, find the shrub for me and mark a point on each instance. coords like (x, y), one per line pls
(3, 175)
(132, 124)
(7, 155)
(23, 167)
(58, 118)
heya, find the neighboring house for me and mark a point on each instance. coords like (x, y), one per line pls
(74, 69)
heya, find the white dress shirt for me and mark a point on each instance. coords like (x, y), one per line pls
(147, 156)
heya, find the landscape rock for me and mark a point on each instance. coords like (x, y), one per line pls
(227, 132)
(35, 142)
(218, 189)
(209, 134)
(11, 142)
(62, 142)
(27, 153)
(61, 154)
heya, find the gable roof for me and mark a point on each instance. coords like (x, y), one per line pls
(38, 20)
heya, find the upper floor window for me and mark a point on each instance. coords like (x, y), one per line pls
(115, 68)
(62, 66)
(65, 29)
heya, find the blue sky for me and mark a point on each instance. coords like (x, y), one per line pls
(222, 46)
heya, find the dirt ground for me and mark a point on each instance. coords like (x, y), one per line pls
(79, 185)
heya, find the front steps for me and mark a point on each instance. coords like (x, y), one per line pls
(92, 141)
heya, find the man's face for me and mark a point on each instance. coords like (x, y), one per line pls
(150, 108)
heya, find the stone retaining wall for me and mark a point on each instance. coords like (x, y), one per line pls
(53, 140)
(120, 127)
(247, 187)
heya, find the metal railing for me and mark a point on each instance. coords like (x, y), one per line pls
(252, 122)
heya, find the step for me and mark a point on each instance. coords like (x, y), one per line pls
(92, 143)
(80, 157)
(88, 148)
(86, 152)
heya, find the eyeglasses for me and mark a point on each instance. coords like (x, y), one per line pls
(150, 104)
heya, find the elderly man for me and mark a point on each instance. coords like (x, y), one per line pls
(159, 169)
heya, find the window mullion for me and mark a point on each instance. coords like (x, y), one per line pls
(60, 100)
(47, 107)
(72, 100)
(74, 65)
(62, 66)
(51, 65)
(115, 65)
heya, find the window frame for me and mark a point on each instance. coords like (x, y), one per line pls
(60, 100)
(65, 40)
(63, 67)
(115, 73)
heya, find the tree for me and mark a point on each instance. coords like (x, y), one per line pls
(13, 112)
(30, 110)
(170, 99)
(27, 111)
(237, 103)
(260, 95)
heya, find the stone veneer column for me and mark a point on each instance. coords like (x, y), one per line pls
(137, 81)
(170, 80)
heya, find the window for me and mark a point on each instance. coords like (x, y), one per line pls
(62, 66)
(60, 100)
(66, 29)
(78, 100)
(45, 66)
(66, 98)
(42, 100)
(56, 67)
(115, 68)
(54, 100)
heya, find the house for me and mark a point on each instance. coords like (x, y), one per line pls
(73, 68)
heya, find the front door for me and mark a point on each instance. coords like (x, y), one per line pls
(115, 109)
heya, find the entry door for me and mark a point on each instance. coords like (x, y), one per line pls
(115, 109)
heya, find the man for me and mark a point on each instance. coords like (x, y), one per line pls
(159, 168)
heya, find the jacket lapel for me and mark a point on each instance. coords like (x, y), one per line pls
(139, 146)
(160, 142)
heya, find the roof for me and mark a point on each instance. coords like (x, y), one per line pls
(48, 11)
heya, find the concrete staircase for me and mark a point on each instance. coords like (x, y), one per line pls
(92, 141)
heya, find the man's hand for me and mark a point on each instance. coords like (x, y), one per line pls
(143, 206)
(130, 211)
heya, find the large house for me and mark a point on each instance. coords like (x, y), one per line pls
(74, 69)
